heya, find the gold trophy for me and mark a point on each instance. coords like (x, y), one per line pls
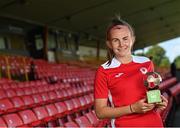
(151, 81)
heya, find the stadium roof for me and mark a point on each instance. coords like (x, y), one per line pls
(154, 20)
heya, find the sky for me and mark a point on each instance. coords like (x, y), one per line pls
(172, 48)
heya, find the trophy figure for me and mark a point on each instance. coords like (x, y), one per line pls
(152, 80)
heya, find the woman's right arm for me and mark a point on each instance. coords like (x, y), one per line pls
(104, 111)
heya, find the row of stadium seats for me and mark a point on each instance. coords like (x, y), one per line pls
(12, 66)
(175, 92)
(45, 113)
(5, 93)
(14, 84)
(14, 103)
(88, 120)
(171, 90)
(166, 84)
(164, 114)
(30, 119)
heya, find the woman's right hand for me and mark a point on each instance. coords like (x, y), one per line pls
(141, 106)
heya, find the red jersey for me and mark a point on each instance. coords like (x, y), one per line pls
(123, 85)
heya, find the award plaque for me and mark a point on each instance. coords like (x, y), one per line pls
(151, 81)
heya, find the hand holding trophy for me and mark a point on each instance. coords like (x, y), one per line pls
(151, 81)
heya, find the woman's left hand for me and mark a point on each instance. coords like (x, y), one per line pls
(162, 105)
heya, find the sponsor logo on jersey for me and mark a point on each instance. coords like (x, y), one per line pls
(118, 75)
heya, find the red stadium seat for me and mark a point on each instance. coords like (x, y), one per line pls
(83, 122)
(45, 96)
(28, 101)
(19, 92)
(167, 83)
(6, 106)
(34, 90)
(13, 85)
(37, 99)
(175, 92)
(65, 94)
(75, 92)
(61, 108)
(80, 91)
(70, 92)
(103, 122)
(88, 99)
(41, 113)
(52, 96)
(13, 120)
(29, 118)
(2, 123)
(70, 105)
(20, 85)
(57, 86)
(61, 121)
(92, 96)
(70, 124)
(59, 94)
(166, 111)
(18, 102)
(84, 89)
(5, 86)
(2, 94)
(28, 91)
(92, 118)
(32, 83)
(83, 102)
(51, 87)
(10, 93)
(76, 103)
(51, 109)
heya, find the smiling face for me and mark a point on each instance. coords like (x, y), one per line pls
(120, 40)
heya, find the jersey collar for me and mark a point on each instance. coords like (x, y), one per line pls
(116, 63)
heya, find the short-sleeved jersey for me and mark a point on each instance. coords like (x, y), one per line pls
(123, 84)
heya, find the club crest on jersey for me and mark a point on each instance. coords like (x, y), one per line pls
(143, 70)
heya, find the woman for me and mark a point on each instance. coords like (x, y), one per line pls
(120, 81)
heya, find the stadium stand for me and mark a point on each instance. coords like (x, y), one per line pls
(61, 95)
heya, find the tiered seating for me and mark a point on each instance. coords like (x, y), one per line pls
(83, 122)
(166, 84)
(175, 92)
(164, 114)
(27, 100)
(13, 120)
(62, 96)
(29, 118)
(63, 72)
(94, 120)
(171, 90)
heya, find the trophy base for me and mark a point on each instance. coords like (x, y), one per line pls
(153, 96)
